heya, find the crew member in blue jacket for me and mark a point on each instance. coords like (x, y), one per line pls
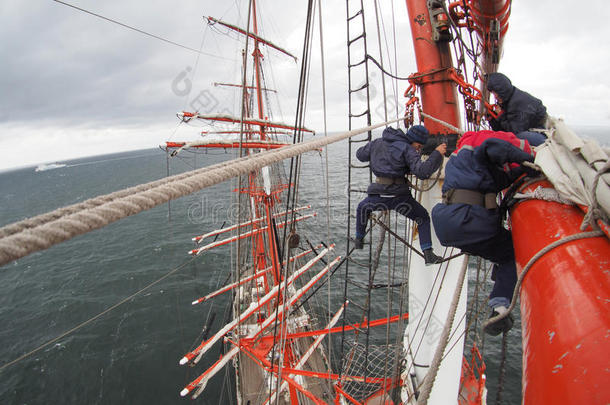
(391, 157)
(520, 110)
(469, 217)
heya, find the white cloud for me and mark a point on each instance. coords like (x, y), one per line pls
(73, 84)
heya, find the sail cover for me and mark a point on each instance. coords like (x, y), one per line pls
(577, 168)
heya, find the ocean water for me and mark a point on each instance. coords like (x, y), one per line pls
(130, 354)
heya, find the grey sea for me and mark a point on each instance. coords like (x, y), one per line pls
(129, 353)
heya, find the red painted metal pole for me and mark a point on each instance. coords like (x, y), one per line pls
(564, 306)
(490, 19)
(257, 55)
(438, 92)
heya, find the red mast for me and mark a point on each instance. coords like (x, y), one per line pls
(564, 310)
(433, 56)
(564, 307)
(257, 57)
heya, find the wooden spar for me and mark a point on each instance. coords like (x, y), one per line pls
(438, 92)
(252, 335)
(236, 132)
(336, 377)
(245, 235)
(241, 86)
(248, 223)
(254, 307)
(355, 326)
(564, 306)
(296, 296)
(257, 55)
(249, 278)
(252, 35)
(340, 392)
(271, 240)
(309, 351)
(247, 120)
(227, 145)
(201, 381)
(264, 363)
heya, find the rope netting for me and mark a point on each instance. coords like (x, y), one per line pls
(374, 359)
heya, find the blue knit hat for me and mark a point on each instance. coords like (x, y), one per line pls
(418, 133)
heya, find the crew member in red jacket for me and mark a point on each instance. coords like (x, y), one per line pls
(484, 163)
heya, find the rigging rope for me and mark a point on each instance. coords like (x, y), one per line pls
(88, 321)
(444, 339)
(528, 266)
(446, 124)
(295, 169)
(380, 66)
(31, 235)
(326, 176)
(502, 372)
(139, 30)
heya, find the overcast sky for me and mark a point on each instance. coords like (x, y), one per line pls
(74, 85)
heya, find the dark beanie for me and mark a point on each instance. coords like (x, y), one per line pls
(418, 133)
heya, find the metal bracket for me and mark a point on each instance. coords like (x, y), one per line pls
(439, 21)
(494, 40)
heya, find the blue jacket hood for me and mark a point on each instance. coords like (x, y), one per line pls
(394, 135)
(392, 156)
(500, 84)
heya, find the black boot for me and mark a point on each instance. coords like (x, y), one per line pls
(503, 325)
(431, 258)
(358, 243)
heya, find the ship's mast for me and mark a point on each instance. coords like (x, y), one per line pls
(433, 56)
(257, 55)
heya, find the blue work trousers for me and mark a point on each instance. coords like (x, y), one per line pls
(499, 250)
(403, 204)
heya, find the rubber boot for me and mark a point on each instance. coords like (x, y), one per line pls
(431, 258)
(358, 243)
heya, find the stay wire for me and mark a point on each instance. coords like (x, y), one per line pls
(502, 372)
(327, 178)
(88, 321)
(137, 30)
(243, 113)
(395, 47)
(293, 165)
(383, 88)
(430, 297)
(372, 59)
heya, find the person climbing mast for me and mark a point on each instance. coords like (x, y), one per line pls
(391, 157)
(520, 110)
(469, 217)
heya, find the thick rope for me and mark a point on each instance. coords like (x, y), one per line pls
(502, 373)
(595, 211)
(32, 235)
(528, 266)
(444, 339)
(445, 124)
(543, 193)
(431, 186)
(326, 176)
